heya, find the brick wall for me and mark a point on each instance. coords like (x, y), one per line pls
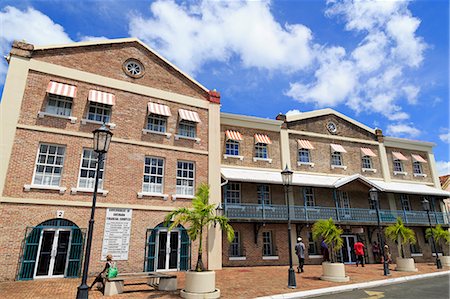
(408, 166)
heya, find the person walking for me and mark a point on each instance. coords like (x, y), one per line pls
(376, 252)
(359, 251)
(300, 252)
(102, 275)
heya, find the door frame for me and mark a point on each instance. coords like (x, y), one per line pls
(167, 263)
(52, 256)
(349, 250)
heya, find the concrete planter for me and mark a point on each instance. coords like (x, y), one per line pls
(406, 265)
(200, 285)
(334, 272)
(445, 260)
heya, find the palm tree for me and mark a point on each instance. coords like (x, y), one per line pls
(399, 233)
(201, 216)
(331, 235)
(440, 235)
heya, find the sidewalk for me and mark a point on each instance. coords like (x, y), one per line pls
(249, 282)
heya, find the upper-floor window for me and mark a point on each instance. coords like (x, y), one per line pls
(156, 123)
(232, 148)
(187, 129)
(336, 159)
(185, 178)
(235, 245)
(153, 175)
(99, 112)
(309, 197)
(263, 194)
(398, 165)
(261, 150)
(303, 155)
(417, 168)
(59, 105)
(372, 204)
(366, 162)
(232, 193)
(268, 244)
(406, 205)
(88, 170)
(49, 165)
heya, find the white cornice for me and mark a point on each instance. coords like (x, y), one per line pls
(409, 144)
(250, 122)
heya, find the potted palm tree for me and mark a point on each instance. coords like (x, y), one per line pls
(442, 237)
(199, 282)
(331, 235)
(399, 233)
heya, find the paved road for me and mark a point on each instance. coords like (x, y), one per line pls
(429, 288)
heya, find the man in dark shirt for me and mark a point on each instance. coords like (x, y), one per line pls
(300, 252)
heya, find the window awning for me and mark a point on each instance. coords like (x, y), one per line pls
(189, 115)
(337, 148)
(233, 135)
(261, 138)
(158, 109)
(306, 144)
(399, 156)
(419, 158)
(102, 97)
(62, 89)
(368, 152)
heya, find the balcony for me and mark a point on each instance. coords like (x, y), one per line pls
(340, 215)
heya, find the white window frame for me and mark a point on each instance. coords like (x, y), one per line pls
(152, 188)
(405, 202)
(187, 129)
(157, 122)
(54, 111)
(304, 152)
(263, 195)
(417, 168)
(308, 197)
(184, 190)
(232, 193)
(88, 169)
(261, 151)
(398, 167)
(337, 157)
(104, 109)
(37, 163)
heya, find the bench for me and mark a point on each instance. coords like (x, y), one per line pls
(161, 281)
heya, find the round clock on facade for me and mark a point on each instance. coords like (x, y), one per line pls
(331, 126)
(133, 68)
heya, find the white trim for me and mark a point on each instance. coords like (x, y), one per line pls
(233, 157)
(310, 164)
(28, 187)
(339, 167)
(150, 194)
(194, 170)
(315, 256)
(145, 193)
(42, 114)
(262, 159)
(369, 170)
(196, 139)
(180, 196)
(331, 137)
(400, 173)
(416, 254)
(272, 257)
(439, 253)
(74, 191)
(238, 120)
(420, 175)
(413, 145)
(237, 258)
(145, 131)
(85, 120)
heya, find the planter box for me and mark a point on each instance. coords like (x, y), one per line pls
(406, 265)
(445, 260)
(200, 285)
(334, 272)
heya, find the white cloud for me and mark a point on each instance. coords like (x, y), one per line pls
(192, 35)
(443, 167)
(293, 112)
(87, 38)
(445, 135)
(403, 130)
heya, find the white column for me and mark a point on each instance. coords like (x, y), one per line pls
(285, 152)
(384, 162)
(434, 173)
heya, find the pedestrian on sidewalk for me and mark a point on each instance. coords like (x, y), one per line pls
(376, 252)
(359, 251)
(300, 252)
(387, 253)
(110, 264)
(325, 252)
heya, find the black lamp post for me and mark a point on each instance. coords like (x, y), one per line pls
(374, 198)
(426, 207)
(102, 139)
(286, 175)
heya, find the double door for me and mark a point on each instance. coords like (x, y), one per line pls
(168, 244)
(53, 253)
(347, 251)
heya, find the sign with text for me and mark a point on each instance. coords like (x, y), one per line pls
(116, 239)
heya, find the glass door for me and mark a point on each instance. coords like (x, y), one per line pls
(53, 253)
(168, 250)
(347, 250)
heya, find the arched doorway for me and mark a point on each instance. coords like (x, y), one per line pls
(54, 248)
(167, 250)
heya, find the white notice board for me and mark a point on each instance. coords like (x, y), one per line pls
(116, 239)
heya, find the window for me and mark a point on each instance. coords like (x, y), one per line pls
(153, 175)
(261, 150)
(88, 170)
(309, 197)
(232, 148)
(312, 245)
(99, 112)
(156, 123)
(187, 129)
(232, 193)
(185, 178)
(268, 248)
(59, 105)
(49, 165)
(398, 165)
(366, 162)
(235, 246)
(303, 155)
(406, 205)
(415, 248)
(372, 204)
(336, 159)
(263, 194)
(417, 168)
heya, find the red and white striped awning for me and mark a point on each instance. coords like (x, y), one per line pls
(306, 144)
(419, 158)
(368, 152)
(189, 115)
(261, 138)
(102, 97)
(233, 135)
(337, 148)
(399, 156)
(62, 89)
(158, 109)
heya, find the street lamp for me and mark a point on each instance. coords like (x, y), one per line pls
(426, 207)
(373, 193)
(102, 139)
(286, 175)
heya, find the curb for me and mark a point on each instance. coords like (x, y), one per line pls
(351, 287)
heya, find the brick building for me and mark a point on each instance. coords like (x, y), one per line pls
(169, 136)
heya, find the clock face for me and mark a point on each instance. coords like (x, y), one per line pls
(331, 126)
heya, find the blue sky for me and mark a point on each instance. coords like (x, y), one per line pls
(384, 63)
